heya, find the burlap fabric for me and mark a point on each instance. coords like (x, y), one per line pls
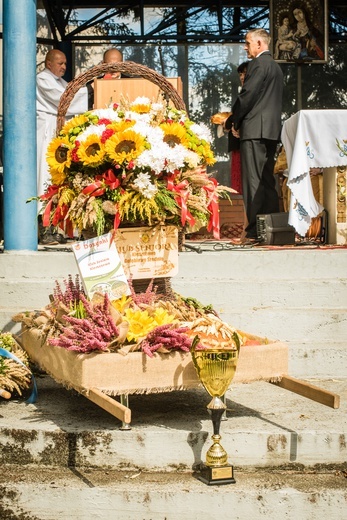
(116, 374)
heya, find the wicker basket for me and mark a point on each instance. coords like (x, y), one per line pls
(127, 67)
(130, 69)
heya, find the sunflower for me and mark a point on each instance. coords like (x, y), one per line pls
(91, 151)
(141, 107)
(77, 122)
(124, 146)
(120, 126)
(140, 324)
(58, 159)
(175, 133)
(57, 177)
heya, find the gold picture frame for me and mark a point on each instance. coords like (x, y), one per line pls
(299, 31)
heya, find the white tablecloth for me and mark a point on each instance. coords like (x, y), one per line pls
(310, 140)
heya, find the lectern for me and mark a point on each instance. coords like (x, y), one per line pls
(107, 91)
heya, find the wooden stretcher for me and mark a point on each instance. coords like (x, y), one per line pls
(102, 377)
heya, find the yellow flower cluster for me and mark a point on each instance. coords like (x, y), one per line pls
(146, 160)
(142, 322)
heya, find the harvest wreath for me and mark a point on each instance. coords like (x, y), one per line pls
(142, 343)
(15, 373)
(133, 162)
(139, 343)
(148, 322)
(145, 324)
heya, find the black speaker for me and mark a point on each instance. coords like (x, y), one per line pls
(273, 229)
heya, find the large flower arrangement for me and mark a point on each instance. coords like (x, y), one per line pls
(138, 162)
(146, 322)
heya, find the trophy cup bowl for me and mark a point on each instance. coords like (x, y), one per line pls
(216, 368)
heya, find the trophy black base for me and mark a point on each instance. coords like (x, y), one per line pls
(216, 476)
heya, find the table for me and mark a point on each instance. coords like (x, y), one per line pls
(312, 139)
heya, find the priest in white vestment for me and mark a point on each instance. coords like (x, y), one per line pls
(50, 86)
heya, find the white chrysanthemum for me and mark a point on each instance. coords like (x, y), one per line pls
(145, 186)
(135, 116)
(141, 100)
(106, 113)
(157, 107)
(175, 158)
(92, 130)
(154, 134)
(155, 158)
(202, 131)
(192, 159)
(163, 158)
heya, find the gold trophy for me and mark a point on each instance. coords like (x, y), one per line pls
(216, 368)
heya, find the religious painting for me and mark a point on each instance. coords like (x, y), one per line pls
(299, 31)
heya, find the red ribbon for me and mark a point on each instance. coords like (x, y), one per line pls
(59, 218)
(213, 207)
(110, 179)
(97, 188)
(116, 221)
(181, 198)
(94, 189)
(59, 215)
(69, 228)
(51, 191)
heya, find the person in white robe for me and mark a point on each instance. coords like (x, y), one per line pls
(50, 86)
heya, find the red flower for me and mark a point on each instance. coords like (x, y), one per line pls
(74, 155)
(131, 165)
(106, 134)
(104, 121)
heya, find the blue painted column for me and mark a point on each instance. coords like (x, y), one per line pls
(19, 105)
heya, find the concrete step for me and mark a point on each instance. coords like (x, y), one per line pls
(91, 494)
(293, 295)
(266, 426)
(328, 359)
(237, 294)
(233, 263)
(277, 294)
(64, 457)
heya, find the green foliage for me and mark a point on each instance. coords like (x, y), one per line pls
(100, 217)
(6, 341)
(165, 200)
(77, 309)
(323, 86)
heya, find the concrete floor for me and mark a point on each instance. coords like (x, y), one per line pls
(66, 458)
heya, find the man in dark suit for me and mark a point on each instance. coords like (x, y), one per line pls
(256, 119)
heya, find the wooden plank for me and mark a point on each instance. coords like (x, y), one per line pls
(110, 405)
(310, 391)
(107, 91)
